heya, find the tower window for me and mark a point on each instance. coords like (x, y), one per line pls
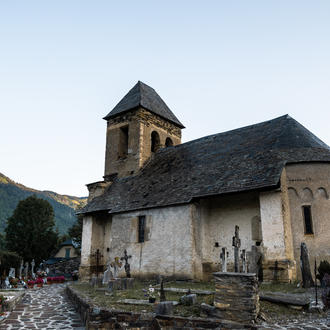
(307, 212)
(155, 141)
(123, 142)
(168, 142)
(141, 229)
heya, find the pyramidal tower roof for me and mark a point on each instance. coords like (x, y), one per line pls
(142, 95)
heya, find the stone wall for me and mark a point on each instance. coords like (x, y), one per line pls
(309, 185)
(215, 227)
(64, 266)
(95, 317)
(140, 123)
(236, 296)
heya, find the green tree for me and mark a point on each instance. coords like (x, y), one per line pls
(30, 230)
(75, 232)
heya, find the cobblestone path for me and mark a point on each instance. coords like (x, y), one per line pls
(44, 308)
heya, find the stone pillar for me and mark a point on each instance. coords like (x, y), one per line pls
(277, 246)
(236, 297)
(86, 246)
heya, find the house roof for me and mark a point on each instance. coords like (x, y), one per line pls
(243, 159)
(142, 95)
(67, 242)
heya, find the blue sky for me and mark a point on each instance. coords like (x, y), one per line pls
(218, 65)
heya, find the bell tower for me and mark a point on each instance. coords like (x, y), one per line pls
(137, 127)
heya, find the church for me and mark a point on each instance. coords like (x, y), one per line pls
(173, 206)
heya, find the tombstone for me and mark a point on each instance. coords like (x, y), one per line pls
(326, 291)
(32, 268)
(11, 273)
(21, 267)
(305, 267)
(164, 308)
(127, 265)
(255, 261)
(244, 265)
(236, 245)
(107, 276)
(116, 265)
(223, 257)
(7, 283)
(189, 299)
(26, 270)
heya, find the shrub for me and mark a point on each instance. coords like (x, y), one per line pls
(8, 260)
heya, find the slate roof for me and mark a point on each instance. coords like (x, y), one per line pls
(142, 95)
(243, 159)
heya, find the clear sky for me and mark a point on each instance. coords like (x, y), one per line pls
(218, 65)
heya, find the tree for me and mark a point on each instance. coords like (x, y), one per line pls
(75, 232)
(30, 230)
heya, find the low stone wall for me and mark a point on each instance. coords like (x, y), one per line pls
(236, 296)
(95, 317)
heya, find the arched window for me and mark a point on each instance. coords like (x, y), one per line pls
(168, 142)
(155, 141)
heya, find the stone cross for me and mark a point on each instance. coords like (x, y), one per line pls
(127, 265)
(223, 257)
(26, 270)
(236, 245)
(21, 269)
(162, 291)
(32, 268)
(243, 257)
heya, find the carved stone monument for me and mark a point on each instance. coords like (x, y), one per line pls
(107, 276)
(305, 267)
(223, 257)
(32, 268)
(127, 265)
(236, 245)
(26, 270)
(21, 267)
(11, 273)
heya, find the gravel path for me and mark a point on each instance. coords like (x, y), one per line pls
(44, 308)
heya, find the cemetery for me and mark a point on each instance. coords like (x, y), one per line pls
(232, 300)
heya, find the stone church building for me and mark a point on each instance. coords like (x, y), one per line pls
(174, 206)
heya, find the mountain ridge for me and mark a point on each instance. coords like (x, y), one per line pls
(64, 206)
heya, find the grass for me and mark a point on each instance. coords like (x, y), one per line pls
(100, 299)
(281, 287)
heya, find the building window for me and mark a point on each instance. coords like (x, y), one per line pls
(168, 142)
(123, 142)
(155, 141)
(141, 229)
(308, 219)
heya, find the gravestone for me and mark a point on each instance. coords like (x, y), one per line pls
(127, 265)
(164, 308)
(305, 267)
(11, 273)
(255, 260)
(26, 270)
(189, 299)
(223, 257)
(32, 268)
(107, 276)
(116, 265)
(326, 291)
(236, 245)
(21, 267)
(244, 265)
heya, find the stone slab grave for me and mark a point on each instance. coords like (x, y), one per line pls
(285, 299)
(142, 302)
(179, 290)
